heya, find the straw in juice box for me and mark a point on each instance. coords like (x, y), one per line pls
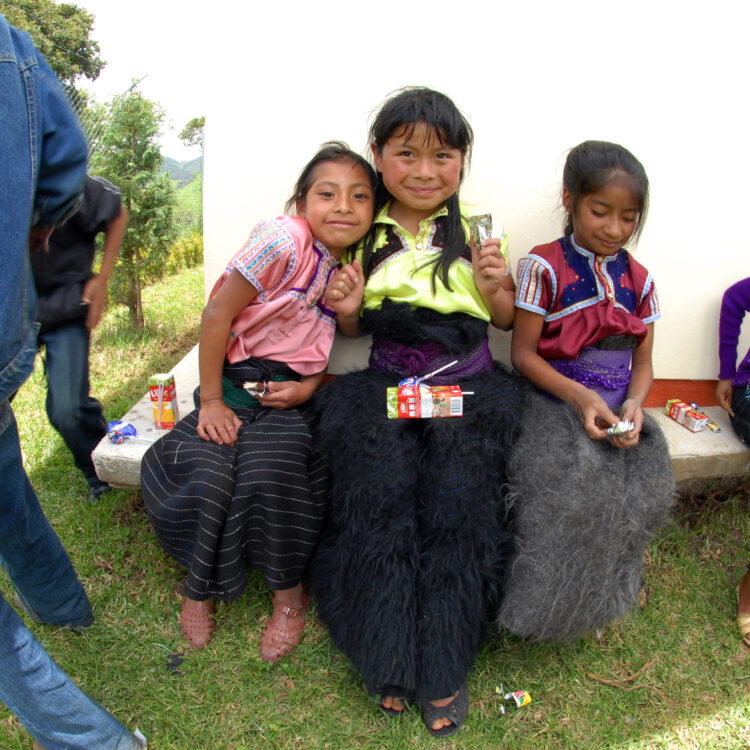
(161, 387)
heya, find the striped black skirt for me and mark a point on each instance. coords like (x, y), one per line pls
(218, 509)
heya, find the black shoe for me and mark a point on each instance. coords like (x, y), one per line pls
(97, 491)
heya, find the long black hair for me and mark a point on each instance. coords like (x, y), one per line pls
(329, 151)
(405, 111)
(593, 164)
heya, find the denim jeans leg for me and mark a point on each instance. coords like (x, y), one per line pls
(30, 551)
(52, 708)
(72, 411)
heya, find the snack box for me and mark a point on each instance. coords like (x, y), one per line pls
(424, 401)
(686, 415)
(163, 400)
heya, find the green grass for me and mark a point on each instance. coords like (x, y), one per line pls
(670, 676)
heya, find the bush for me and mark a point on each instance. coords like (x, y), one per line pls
(184, 253)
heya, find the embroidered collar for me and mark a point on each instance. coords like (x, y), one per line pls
(384, 218)
(588, 253)
(326, 256)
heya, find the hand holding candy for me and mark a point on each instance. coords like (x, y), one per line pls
(632, 413)
(489, 266)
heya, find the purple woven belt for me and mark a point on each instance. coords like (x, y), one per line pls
(605, 371)
(408, 361)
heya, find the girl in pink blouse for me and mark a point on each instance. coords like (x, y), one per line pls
(238, 481)
(587, 499)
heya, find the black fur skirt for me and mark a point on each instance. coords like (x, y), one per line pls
(408, 572)
(583, 513)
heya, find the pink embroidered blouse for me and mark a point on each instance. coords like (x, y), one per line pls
(287, 321)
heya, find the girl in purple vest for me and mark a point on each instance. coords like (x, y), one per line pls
(586, 498)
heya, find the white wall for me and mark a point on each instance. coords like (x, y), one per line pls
(669, 80)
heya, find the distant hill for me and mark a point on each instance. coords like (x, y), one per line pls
(182, 172)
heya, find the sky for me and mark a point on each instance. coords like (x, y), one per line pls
(157, 41)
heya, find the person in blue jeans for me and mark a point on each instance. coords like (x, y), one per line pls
(71, 302)
(42, 163)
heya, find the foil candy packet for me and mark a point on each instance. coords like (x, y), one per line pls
(256, 388)
(621, 428)
(480, 227)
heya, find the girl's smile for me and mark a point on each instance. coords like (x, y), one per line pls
(604, 221)
(419, 171)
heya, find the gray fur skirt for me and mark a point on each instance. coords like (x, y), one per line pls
(583, 512)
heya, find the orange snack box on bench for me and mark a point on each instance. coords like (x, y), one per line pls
(161, 388)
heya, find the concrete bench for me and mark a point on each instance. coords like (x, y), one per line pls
(697, 458)
(120, 465)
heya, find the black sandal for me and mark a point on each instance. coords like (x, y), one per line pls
(456, 712)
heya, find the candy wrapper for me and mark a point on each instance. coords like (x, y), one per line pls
(685, 415)
(119, 431)
(161, 387)
(480, 227)
(621, 428)
(520, 697)
(255, 388)
(420, 401)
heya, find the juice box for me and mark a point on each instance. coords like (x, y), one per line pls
(424, 401)
(686, 415)
(163, 400)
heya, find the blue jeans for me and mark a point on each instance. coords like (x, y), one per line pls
(30, 551)
(43, 697)
(48, 703)
(72, 412)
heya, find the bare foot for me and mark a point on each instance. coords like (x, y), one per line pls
(394, 704)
